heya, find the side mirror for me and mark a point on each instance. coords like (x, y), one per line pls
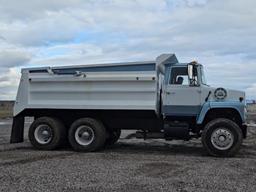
(190, 71)
(192, 75)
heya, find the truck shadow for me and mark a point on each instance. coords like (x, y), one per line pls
(162, 149)
(191, 149)
(156, 148)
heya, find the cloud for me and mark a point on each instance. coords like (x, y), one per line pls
(250, 91)
(13, 10)
(12, 55)
(54, 27)
(9, 81)
(13, 58)
(43, 22)
(219, 34)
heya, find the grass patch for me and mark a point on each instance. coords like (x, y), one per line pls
(5, 113)
(6, 108)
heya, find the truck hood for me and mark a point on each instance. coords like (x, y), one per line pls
(229, 94)
(235, 94)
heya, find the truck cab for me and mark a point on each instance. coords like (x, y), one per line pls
(189, 105)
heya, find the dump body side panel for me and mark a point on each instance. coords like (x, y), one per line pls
(66, 89)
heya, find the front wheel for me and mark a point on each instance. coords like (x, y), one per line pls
(222, 137)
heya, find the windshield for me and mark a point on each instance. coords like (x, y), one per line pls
(203, 79)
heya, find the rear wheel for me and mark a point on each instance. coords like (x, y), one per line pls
(87, 135)
(222, 137)
(113, 137)
(47, 133)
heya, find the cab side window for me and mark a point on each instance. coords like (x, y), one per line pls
(179, 76)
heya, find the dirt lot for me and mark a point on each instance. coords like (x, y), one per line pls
(130, 165)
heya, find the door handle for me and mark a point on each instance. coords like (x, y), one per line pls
(170, 93)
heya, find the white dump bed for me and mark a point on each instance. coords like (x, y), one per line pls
(119, 86)
(121, 90)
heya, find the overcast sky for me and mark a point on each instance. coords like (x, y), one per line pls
(219, 34)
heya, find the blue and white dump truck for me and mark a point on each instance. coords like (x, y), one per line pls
(89, 106)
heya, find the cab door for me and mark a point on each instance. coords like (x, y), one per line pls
(180, 97)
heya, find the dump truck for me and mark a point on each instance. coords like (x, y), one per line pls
(89, 105)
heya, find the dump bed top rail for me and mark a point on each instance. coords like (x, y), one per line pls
(108, 67)
(158, 65)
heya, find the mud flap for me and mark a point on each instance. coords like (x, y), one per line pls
(244, 130)
(17, 135)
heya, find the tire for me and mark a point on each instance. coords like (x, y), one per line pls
(87, 135)
(113, 137)
(47, 133)
(222, 138)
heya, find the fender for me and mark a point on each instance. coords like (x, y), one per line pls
(238, 106)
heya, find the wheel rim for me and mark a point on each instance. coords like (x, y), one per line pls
(84, 135)
(43, 134)
(222, 139)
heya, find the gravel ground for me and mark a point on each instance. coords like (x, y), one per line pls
(130, 165)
